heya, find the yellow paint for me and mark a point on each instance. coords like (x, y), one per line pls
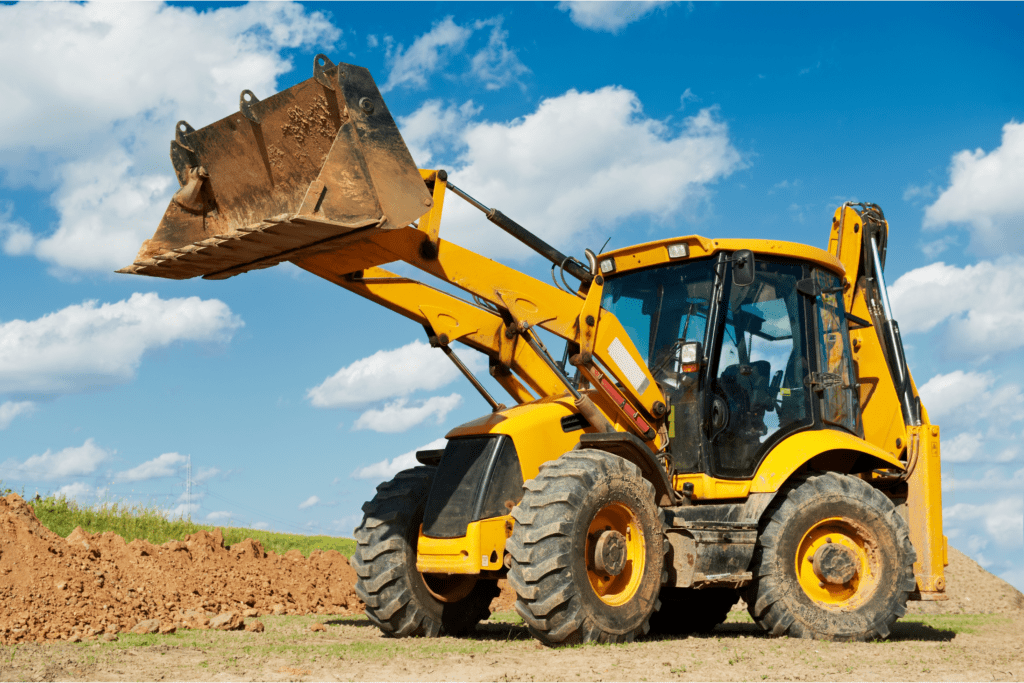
(837, 596)
(656, 253)
(477, 328)
(534, 425)
(620, 588)
(924, 505)
(710, 488)
(589, 314)
(443, 321)
(469, 554)
(793, 452)
(883, 420)
(430, 223)
(535, 429)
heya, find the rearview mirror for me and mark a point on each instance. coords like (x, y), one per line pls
(743, 268)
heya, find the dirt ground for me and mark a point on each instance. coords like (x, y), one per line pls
(970, 647)
(97, 608)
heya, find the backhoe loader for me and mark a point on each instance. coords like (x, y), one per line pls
(730, 418)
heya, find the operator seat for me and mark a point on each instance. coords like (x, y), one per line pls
(746, 392)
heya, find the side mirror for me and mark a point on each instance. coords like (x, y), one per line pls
(743, 268)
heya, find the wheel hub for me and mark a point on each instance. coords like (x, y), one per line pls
(834, 563)
(610, 553)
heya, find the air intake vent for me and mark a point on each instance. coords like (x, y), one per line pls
(572, 423)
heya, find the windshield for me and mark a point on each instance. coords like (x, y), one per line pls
(661, 306)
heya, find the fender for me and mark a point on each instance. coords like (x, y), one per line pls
(634, 450)
(835, 450)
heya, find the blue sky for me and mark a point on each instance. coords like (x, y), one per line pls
(292, 398)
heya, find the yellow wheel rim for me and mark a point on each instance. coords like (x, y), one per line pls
(620, 588)
(857, 550)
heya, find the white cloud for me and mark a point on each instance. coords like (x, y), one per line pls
(12, 409)
(386, 374)
(982, 304)
(985, 193)
(685, 97)
(88, 346)
(98, 88)
(496, 65)
(165, 465)
(967, 397)
(260, 525)
(995, 479)
(435, 126)
(398, 416)
(81, 493)
(220, 517)
(15, 236)
(568, 157)
(915, 192)
(427, 54)
(609, 16)
(73, 461)
(962, 447)
(932, 248)
(1003, 519)
(107, 209)
(309, 502)
(185, 510)
(204, 474)
(385, 469)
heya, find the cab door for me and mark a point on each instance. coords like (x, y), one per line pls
(757, 391)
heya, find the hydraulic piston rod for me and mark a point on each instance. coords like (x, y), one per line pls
(569, 264)
(894, 345)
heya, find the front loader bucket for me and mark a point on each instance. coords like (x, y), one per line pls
(285, 177)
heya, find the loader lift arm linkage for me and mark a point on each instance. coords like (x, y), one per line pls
(664, 470)
(522, 302)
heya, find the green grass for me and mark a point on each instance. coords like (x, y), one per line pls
(132, 521)
(957, 623)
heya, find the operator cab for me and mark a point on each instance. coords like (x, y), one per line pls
(747, 350)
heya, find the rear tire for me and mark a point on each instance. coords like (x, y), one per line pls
(400, 600)
(833, 561)
(587, 550)
(689, 610)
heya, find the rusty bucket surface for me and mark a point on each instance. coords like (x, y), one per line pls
(288, 176)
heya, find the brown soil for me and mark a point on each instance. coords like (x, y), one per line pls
(86, 586)
(972, 590)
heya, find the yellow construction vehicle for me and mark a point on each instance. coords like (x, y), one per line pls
(729, 417)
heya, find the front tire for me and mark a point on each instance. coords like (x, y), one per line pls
(587, 550)
(833, 561)
(400, 600)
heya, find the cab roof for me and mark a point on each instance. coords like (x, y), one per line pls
(656, 253)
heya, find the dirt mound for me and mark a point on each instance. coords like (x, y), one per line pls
(90, 584)
(972, 590)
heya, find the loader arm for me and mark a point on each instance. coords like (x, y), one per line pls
(892, 415)
(452, 319)
(608, 359)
